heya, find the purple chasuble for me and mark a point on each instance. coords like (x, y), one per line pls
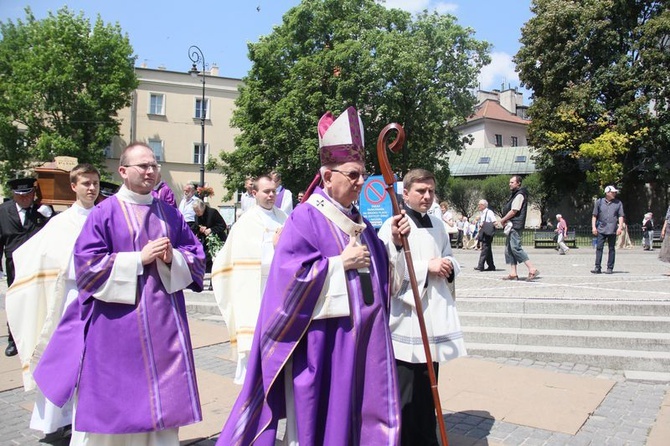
(279, 198)
(344, 374)
(132, 365)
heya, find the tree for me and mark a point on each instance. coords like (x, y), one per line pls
(600, 71)
(496, 191)
(463, 195)
(329, 54)
(61, 85)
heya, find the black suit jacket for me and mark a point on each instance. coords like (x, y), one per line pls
(13, 234)
(213, 220)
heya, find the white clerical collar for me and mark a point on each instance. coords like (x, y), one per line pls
(129, 196)
(346, 210)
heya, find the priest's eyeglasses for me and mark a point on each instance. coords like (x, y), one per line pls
(145, 166)
(353, 175)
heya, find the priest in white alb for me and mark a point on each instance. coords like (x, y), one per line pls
(435, 268)
(44, 285)
(241, 268)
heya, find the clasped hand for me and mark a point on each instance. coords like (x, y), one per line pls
(355, 257)
(440, 267)
(157, 249)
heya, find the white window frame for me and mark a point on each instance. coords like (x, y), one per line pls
(197, 153)
(162, 110)
(160, 157)
(196, 109)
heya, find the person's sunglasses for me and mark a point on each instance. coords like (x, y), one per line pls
(353, 175)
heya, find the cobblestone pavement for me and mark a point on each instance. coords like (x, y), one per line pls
(624, 417)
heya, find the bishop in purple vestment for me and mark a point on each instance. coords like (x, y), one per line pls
(322, 355)
(124, 345)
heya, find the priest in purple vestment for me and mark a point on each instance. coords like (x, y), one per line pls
(123, 347)
(162, 191)
(322, 355)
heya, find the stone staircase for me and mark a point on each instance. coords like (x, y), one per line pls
(632, 336)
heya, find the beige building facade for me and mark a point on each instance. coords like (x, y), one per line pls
(499, 120)
(165, 114)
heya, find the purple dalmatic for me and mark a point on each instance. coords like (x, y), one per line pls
(343, 371)
(163, 192)
(279, 198)
(132, 364)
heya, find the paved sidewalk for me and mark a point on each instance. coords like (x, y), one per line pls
(487, 401)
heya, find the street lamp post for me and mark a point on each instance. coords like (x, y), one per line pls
(196, 56)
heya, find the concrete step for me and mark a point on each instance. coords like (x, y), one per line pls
(651, 342)
(620, 335)
(646, 324)
(202, 307)
(596, 357)
(598, 307)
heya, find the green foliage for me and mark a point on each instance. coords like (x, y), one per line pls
(463, 195)
(599, 70)
(214, 244)
(329, 54)
(495, 190)
(62, 82)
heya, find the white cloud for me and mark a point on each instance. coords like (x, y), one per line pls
(415, 6)
(446, 8)
(501, 69)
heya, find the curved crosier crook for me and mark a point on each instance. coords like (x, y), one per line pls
(389, 179)
(395, 147)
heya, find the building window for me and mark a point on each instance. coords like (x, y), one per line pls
(156, 104)
(498, 140)
(520, 159)
(157, 147)
(199, 111)
(515, 141)
(197, 152)
(484, 160)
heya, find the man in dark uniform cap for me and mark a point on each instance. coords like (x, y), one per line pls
(107, 189)
(20, 219)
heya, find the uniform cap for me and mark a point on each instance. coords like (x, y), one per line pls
(22, 186)
(108, 189)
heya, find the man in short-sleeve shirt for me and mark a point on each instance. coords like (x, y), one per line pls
(606, 224)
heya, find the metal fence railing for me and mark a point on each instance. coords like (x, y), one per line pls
(583, 236)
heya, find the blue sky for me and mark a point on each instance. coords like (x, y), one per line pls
(162, 31)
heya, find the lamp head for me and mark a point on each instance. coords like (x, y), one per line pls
(194, 71)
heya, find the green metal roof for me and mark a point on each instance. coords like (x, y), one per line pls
(492, 161)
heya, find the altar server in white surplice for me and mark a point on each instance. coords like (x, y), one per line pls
(240, 270)
(435, 268)
(44, 286)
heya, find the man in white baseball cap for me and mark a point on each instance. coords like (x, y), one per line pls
(606, 224)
